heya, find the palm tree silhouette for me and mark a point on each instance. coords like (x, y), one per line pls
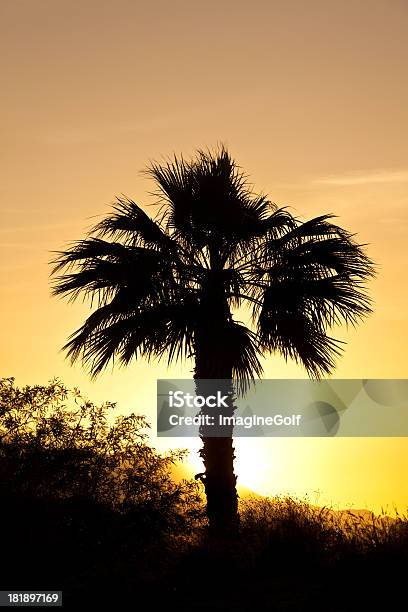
(168, 286)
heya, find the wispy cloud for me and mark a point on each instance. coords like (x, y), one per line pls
(365, 178)
(18, 245)
(34, 228)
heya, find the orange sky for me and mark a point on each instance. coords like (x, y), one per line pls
(310, 97)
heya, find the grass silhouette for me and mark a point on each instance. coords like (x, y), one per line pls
(89, 508)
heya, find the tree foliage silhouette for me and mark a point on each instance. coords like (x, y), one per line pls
(85, 496)
(57, 445)
(169, 285)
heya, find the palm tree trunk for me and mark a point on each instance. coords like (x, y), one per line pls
(220, 484)
(218, 452)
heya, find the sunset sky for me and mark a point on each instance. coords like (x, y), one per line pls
(312, 100)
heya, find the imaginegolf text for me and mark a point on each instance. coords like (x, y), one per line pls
(247, 422)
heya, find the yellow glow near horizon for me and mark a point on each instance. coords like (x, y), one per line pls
(312, 100)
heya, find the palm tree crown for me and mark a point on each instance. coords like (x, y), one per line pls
(168, 285)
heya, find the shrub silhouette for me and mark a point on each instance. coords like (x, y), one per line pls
(55, 444)
(80, 490)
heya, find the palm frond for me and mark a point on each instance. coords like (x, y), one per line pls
(304, 282)
(83, 251)
(228, 349)
(286, 326)
(207, 201)
(131, 223)
(98, 269)
(116, 333)
(174, 188)
(244, 347)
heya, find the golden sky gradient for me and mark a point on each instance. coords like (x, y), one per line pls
(312, 100)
